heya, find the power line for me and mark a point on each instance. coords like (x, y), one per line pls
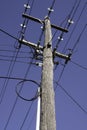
(9, 56)
(72, 98)
(60, 77)
(24, 62)
(8, 34)
(51, 8)
(15, 102)
(69, 21)
(25, 99)
(9, 72)
(31, 121)
(82, 67)
(73, 12)
(28, 112)
(79, 37)
(5, 50)
(75, 26)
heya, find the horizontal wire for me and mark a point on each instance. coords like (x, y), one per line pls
(14, 78)
(8, 60)
(19, 57)
(14, 51)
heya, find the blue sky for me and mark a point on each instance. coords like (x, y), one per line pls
(71, 95)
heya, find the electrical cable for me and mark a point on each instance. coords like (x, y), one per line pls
(39, 41)
(75, 26)
(31, 99)
(14, 78)
(31, 121)
(77, 42)
(19, 57)
(73, 12)
(9, 72)
(69, 17)
(7, 60)
(79, 37)
(75, 9)
(51, 8)
(16, 100)
(25, 23)
(71, 98)
(14, 51)
(60, 77)
(28, 112)
(82, 67)
(26, 20)
(8, 34)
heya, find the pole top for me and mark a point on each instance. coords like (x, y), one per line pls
(46, 17)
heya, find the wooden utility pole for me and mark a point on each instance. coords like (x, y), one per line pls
(47, 104)
(47, 121)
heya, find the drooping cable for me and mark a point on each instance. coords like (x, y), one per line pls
(17, 61)
(14, 78)
(30, 99)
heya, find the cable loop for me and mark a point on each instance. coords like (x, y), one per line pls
(25, 99)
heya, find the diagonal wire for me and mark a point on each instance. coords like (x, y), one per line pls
(9, 72)
(75, 26)
(8, 34)
(79, 37)
(10, 68)
(28, 112)
(16, 100)
(49, 13)
(21, 86)
(70, 16)
(71, 98)
(82, 67)
(60, 77)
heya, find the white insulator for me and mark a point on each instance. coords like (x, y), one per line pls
(39, 64)
(60, 38)
(49, 9)
(70, 21)
(41, 27)
(26, 6)
(24, 26)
